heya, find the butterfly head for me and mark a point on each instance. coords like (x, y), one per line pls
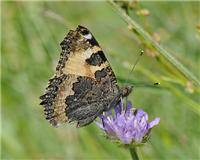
(126, 90)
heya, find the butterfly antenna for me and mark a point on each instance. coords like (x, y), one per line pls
(136, 61)
(156, 84)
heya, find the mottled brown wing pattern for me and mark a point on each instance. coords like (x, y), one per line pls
(84, 84)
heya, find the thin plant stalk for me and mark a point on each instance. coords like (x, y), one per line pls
(141, 32)
(134, 154)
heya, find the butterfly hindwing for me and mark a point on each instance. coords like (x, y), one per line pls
(84, 84)
(90, 99)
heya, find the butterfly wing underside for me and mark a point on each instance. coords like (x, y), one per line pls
(84, 84)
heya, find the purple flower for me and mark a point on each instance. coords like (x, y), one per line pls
(127, 125)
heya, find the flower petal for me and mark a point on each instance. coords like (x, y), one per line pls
(154, 122)
(125, 139)
(100, 125)
(128, 108)
(109, 127)
(140, 113)
(107, 113)
(118, 110)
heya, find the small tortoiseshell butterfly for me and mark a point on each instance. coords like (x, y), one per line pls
(84, 85)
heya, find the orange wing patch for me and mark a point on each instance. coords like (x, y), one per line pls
(77, 65)
(59, 105)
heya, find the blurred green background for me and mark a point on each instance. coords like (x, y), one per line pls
(30, 37)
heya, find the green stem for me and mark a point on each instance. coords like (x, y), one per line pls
(134, 154)
(153, 43)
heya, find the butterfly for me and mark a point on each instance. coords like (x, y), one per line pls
(84, 84)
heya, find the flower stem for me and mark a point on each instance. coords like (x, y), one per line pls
(134, 154)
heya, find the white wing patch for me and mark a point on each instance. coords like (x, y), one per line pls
(88, 36)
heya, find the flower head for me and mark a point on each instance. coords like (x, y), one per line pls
(127, 125)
